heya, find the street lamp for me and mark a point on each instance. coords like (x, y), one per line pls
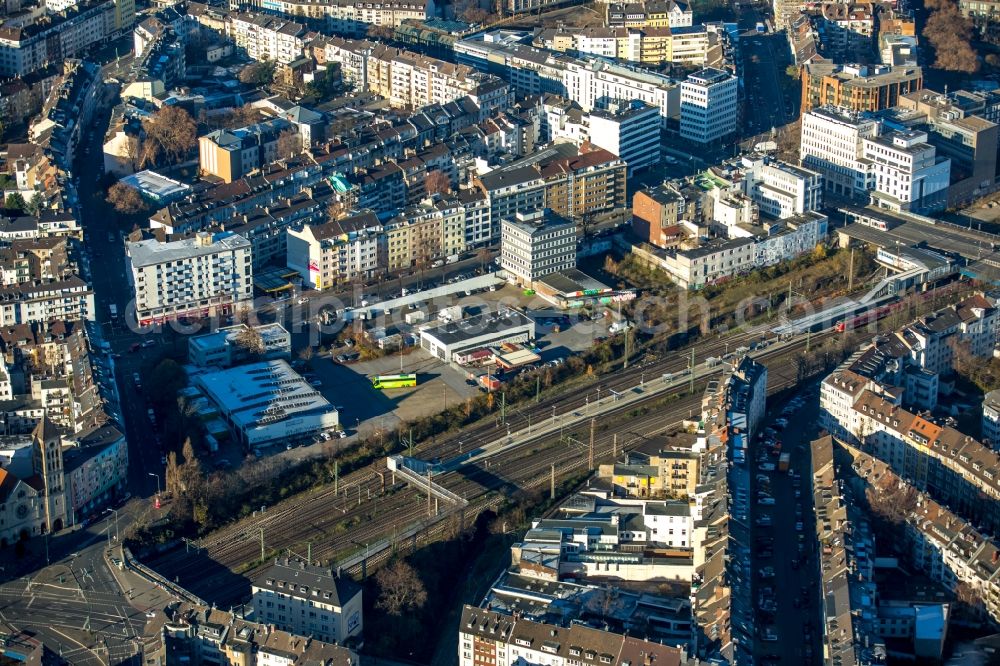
(157, 476)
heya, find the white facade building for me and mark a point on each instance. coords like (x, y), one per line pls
(266, 37)
(343, 249)
(782, 190)
(906, 172)
(71, 299)
(859, 157)
(533, 245)
(709, 105)
(202, 276)
(596, 83)
(991, 419)
(308, 600)
(630, 130)
(448, 339)
(831, 143)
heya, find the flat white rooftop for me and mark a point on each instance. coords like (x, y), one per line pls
(151, 252)
(262, 393)
(156, 186)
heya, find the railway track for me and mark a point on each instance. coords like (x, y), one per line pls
(358, 512)
(569, 459)
(523, 414)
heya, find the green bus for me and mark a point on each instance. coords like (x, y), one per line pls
(393, 381)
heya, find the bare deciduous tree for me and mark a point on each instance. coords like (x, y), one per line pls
(170, 132)
(950, 34)
(437, 182)
(289, 144)
(251, 341)
(336, 210)
(258, 73)
(379, 32)
(125, 199)
(400, 589)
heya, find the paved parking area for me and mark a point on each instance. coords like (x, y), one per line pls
(364, 409)
(349, 387)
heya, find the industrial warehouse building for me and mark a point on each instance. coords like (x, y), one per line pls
(267, 401)
(485, 330)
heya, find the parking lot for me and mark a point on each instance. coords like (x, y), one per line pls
(346, 381)
(349, 387)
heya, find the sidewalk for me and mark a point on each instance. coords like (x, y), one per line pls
(142, 593)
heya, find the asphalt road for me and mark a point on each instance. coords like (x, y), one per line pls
(74, 605)
(765, 57)
(792, 621)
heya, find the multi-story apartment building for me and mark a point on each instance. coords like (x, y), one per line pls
(478, 225)
(939, 460)
(709, 105)
(649, 14)
(906, 172)
(846, 564)
(341, 17)
(412, 80)
(857, 87)
(570, 181)
(981, 12)
(990, 423)
(591, 182)
(782, 190)
(209, 205)
(732, 409)
(845, 28)
(202, 635)
(594, 83)
(939, 542)
(232, 154)
(533, 245)
(265, 226)
(264, 37)
(486, 637)
(628, 129)
(906, 364)
(197, 277)
(96, 469)
(435, 227)
(590, 82)
(308, 600)
(68, 299)
(656, 213)
(831, 143)
(27, 46)
(339, 250)
(694, 46)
